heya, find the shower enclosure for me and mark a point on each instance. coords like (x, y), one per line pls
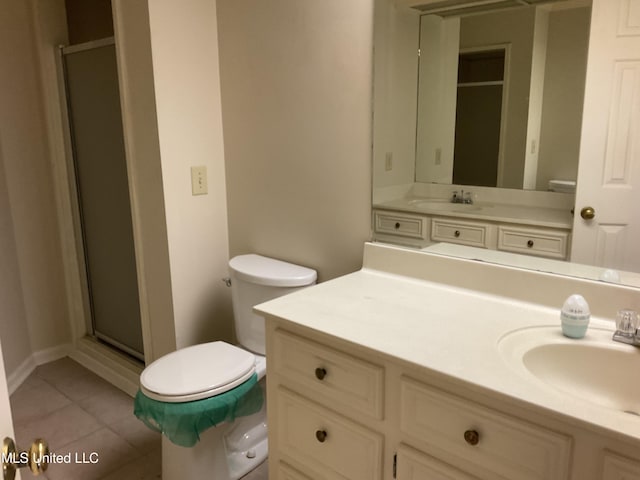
(104, 209)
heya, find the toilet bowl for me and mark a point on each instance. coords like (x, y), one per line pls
(218, 373)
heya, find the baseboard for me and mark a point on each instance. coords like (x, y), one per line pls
(115, 368)
(51, 354)
(20, 374)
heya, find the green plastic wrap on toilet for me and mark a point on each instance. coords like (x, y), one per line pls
(183, 422)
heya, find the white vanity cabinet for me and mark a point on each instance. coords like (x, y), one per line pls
(334, 415)
(418, 230)
(339, 413)
(401, 371)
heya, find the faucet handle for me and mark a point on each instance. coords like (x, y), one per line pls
(627, 322)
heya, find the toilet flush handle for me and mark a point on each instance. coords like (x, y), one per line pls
(227, 281)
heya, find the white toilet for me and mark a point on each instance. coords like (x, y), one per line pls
(230, 449)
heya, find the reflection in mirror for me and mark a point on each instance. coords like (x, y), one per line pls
(589, 272)
(416, 140)
(500, 96)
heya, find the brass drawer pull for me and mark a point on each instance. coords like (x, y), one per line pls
(456, 233)
(321, 435)
(530, 243)
(472, 437)
(321, 373)
(397, 225)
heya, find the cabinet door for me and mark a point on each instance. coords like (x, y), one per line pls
(414, 465)
(620, 468)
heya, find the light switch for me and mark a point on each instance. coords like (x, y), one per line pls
(388, 161)
(199, 180)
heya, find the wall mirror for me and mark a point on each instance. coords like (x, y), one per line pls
(485, 97)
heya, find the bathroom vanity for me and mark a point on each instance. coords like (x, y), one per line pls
(421, 366)
(543, 229)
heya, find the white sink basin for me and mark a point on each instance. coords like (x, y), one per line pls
(594, 369)
(444, 206)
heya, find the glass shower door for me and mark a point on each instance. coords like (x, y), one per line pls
(93, 98)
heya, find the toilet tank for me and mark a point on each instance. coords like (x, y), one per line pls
(256, 279)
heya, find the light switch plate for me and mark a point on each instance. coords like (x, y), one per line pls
(199, 180)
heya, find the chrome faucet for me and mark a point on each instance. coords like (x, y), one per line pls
(462, 198)
(627, 331)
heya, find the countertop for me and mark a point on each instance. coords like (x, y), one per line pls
(447, 329)
(497, 212)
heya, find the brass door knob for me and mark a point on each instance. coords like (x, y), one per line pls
(472, 437)
(587, 213)
(12, 459)
(321, 373)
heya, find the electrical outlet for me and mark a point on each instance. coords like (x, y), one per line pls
(388, 161)
(199, 180)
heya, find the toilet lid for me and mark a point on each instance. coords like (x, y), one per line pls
(197, 372)
(261, 270)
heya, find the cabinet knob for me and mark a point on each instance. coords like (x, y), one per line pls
(321, 435)
(457, 233)
(321, 373)
(472, 437)
(530, 243)
(397, 225)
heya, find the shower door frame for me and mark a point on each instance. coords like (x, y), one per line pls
(80, 251)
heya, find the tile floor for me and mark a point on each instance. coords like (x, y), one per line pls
(77, 412)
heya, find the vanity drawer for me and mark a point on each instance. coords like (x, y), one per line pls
(406, 225)
(459, 431)
(413, 465)
(285, 472)
(333, 446)
(619, 468)
(341, 379)
(475, 234)
(533, 241)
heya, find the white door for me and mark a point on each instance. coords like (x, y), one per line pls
(609, 172)
(6, 422)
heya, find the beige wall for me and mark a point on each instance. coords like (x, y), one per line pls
(396, 34)
(28, 174)
(437, 98)
(137, 98)
(184, 48)
(563, 95)
(14, 335)
(296, 90)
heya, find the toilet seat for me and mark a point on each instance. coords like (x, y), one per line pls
(197, 372)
